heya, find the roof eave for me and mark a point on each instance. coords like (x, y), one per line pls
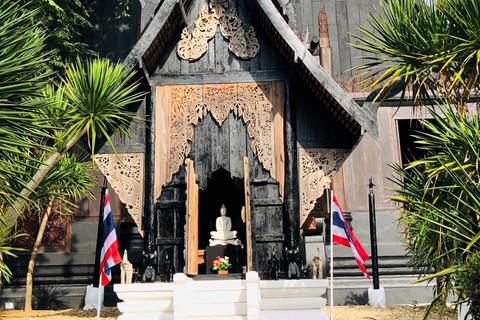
(366, 118)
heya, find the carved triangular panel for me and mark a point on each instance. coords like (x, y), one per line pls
(243, 43)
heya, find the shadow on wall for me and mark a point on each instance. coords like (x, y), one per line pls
(355, 299)
(49, 298)
(110, 38)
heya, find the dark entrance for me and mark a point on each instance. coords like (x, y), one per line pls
(221, 189)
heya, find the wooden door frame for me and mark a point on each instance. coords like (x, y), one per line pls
(192, 216)
(191, 220)
(248, 214)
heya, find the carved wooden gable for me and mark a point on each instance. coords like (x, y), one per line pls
(243, 43)
(316, 169)
(125, 174)
(179, 108)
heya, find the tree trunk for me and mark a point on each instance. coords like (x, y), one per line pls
(17, 208)
(31, 262)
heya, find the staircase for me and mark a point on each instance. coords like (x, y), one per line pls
(351, 286)
(221, 299)
(249, 299)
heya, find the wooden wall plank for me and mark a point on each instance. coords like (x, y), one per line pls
(221, 146)
(353, 16)
(330, 9)
(307, 13)
(203, 148)
(380, 154)
(219, 53)
(238, 145)
(343, 38)
(316, 7)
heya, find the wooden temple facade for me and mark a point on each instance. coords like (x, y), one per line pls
(241, 116)
(239, 113)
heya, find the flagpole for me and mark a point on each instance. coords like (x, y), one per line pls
(96, 268)
(99, 299)
(331, 255)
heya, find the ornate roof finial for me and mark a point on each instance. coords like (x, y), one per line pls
(323, 24)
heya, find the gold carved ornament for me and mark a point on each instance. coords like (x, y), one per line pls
(125, 175)
(317, 167)
(244, 44)
(189, 104)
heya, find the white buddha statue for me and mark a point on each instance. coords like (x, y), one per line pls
(224, 234)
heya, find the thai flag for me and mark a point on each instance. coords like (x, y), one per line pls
(344, 236)
(109, 255)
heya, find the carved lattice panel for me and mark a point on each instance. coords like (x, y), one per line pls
(179, 108)
(125, 175)
(243, 43)
(316, 170)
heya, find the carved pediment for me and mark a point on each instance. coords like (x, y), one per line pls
(243, 43)
(180, 108)
(125, 174)
(316, 169)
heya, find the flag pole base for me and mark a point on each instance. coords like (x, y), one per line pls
(91, 297)
(377, 298)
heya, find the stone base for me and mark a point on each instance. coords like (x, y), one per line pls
(236, 255)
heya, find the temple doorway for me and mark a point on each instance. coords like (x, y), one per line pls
(221, 189)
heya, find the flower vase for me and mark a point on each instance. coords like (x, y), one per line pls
(222, 271)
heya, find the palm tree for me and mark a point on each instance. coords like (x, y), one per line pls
(23, 74)
(440, 198)
(90, 102)
(68, 181)
(433, 48)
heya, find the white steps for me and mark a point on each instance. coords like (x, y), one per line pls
(250, 299)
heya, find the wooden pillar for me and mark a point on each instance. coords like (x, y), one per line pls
(292, 204)
(149, 207)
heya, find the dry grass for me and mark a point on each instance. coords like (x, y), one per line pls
(389, 313)
(341, 313)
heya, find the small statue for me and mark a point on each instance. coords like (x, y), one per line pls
(306, 271)
(317, 266)
(126, 270)
(224, 234)
(293, 270)
(149, 263)
(169, 270)
(273, 267)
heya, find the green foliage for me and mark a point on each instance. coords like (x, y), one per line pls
(62, 21)
(435, 49)
(468, 280)
(40, 123)
(440, 197)
(69, 180)
(98, 92)
(122, 9)
(23, 74)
